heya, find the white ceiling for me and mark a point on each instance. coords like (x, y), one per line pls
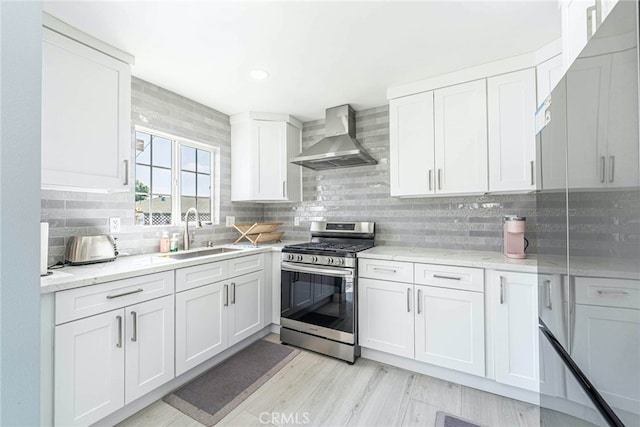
(319, 54)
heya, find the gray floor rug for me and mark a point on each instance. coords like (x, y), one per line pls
(447, 420)
(211, 396)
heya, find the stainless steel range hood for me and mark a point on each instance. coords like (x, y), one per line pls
(339, 148)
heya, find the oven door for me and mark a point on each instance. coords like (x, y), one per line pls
(319, 301)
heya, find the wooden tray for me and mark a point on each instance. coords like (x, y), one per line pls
(259, 232)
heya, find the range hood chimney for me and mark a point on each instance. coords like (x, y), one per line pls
(339, 148)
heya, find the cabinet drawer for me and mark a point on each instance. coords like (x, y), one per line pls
(89, 300)
(245, 264)
(386, 270)
(200, 275)
(445, 276)
(607, 292)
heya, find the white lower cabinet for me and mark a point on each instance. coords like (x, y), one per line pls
(213, 317)
(201, 325)
(516, 329)
(442, 325)
(105, 361)
(449, 328)
(386, 317)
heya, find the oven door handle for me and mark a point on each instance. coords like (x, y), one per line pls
(336, 272)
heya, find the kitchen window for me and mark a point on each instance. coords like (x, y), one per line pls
(172, 175)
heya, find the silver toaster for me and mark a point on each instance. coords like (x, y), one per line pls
(91, 249)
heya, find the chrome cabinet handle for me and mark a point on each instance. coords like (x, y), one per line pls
(226, 295)
(602, 160)
(590, 29)
(611, 165)
(607, 292)
(532, 172)
(385, 270)
(119, 343)
(419, 299)
(134, 335)
(408, 300)
(126, 172)
(233, 293)
(439, 276)
(548, 283)
(284, 188)
(125, 294)
(430, 179)
(439, 179)
(501, 290)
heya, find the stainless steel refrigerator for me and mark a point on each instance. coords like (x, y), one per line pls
(588, 234)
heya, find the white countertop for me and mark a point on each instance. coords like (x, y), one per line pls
(580, 266)
(124, 267)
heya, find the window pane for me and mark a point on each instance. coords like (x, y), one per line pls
(143, 178)
(204, 161)
(160, 210)
(161, 181)
(188, 180)
(161, 152)
(185, 204)
(204, 208)
(188, 158)
(143, 148)
(204, 185)
(143, 209)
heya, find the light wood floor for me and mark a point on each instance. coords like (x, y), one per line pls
(328, 392)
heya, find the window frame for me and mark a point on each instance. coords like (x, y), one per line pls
(176, 188)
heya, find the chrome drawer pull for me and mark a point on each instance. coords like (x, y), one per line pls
(125, 294)
(233, 293)
(430, 179)
(621, 293)
(501, 290)
(226, 295)
(438, 276)
(548, 283)
(385, 270)
(408, 300)
(611, 166)
(419, 298)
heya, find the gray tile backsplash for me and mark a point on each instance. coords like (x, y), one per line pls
(360, 193)
(77, 213)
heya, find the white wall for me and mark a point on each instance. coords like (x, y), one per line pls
(20, 77)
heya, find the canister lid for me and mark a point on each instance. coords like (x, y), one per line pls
(514, 218)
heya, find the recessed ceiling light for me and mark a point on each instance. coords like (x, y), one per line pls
(258, 74)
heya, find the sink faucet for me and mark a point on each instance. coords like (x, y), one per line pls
(187, 238)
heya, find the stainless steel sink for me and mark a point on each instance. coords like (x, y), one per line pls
(206, 252)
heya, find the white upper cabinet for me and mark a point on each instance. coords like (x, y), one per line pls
(512, 145)
(412, 152)
(261, 145)
(548, 74)
(461, 138)
(553, 142)
(86, 103)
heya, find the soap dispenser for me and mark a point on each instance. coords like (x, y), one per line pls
(165, 243)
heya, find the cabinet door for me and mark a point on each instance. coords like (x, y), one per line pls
(553, 142)
(606, 346)
(201, 325)
(578, 24)
(411, 155)
(89, 369)
(587, 116)
(385, 316)
(245, 302)
(86, 99)
(461, 138)
(512, 143)
(516, 329)
(550, 310)
(149, 346)
(622, 149)
(548, 74)
(270, 161)
(450, 328)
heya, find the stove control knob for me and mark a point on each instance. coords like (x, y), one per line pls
(290, 257)
(330, 260)
(314, 259)
(341, 261)
(299, 258)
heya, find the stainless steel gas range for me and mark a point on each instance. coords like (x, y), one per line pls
(319, 289)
